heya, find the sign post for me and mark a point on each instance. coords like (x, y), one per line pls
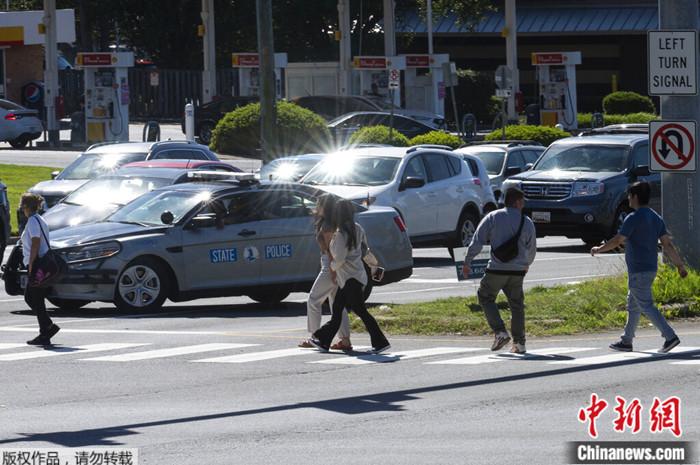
(394, 82)
(673, 71)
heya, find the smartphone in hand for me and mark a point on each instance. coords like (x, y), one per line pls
(378, 274)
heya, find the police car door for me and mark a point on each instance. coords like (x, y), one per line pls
(288, 249)
(220, 253)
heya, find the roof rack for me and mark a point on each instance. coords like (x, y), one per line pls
(506, 142)
(413, 148)
(100, 144)
(244, 179)
(170, 141)
(613, 131)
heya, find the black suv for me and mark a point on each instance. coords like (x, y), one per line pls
(578, 187)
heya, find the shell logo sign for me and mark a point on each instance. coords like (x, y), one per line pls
(12, 35)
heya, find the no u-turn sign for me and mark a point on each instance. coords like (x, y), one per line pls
(672, 145)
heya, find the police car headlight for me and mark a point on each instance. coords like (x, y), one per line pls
(583, 189)
(92, 252)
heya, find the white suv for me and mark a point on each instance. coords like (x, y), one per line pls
(433, 190)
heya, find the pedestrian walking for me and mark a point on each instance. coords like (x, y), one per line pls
(35, 244)
(640, 233)
(348, 271)
(324, 288)
(513, 247)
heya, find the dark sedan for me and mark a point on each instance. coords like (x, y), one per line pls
(344, 126)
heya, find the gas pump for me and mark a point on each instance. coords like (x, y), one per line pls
(423, 80)
(106, 95)
(556, 75)
(374, 75)
(248, 65)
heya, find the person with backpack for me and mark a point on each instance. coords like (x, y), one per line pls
(348, 271)
(641, 232)
(35, 245)
(513, 247)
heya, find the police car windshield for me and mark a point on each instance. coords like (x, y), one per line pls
(116, 190)
(148, 208)
(90, 166)
(592, 158)
(287, 169)
(353, 171)
(493, 161)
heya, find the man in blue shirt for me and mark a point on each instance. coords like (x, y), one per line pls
(641, 232)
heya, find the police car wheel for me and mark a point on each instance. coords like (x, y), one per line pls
(67, 304)
(141, 286)
(272, 297)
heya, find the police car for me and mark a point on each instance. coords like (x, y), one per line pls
(188, 241)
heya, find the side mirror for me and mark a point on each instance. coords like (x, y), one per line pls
(513, 170)
(529, 166)
(200, 221)
(642, 170)
(54, 174)
(412, 182)
(167, 217)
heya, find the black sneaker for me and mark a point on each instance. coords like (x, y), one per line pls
(669, 344)
(51, 332)
(319, 345)
(621, 346)
(40, 340)
(379, 350)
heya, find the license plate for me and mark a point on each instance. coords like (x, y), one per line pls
(23, 281)
(541, 217)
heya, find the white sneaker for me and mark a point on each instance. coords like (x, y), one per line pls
(500, 340)
(517, 348)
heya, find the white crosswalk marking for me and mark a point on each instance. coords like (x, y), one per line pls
(11, 345)
(172, 352)
(493, 358)
(258, 356)
(623, 356)
(53, 351)
(395, 356)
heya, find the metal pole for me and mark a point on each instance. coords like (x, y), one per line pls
(512, 55)
(391, 116)
(430, 27)
(454, 107)
(51, 71)
(209, 44)
(390, 39)
(268, 109)
(680, 192)
(431, 51)
(189, 122)
(345, 47)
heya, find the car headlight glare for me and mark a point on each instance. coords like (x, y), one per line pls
(92, 252)
(582, 189)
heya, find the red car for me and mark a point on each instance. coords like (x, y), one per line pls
(185, 164)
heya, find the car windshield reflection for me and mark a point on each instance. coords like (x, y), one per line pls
(353, 171)
(147, 209)
(586, 158)
(112, 190)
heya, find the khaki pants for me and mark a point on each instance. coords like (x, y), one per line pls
(512, 287)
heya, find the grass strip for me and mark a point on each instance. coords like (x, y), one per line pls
(19, 178)
(589, 306)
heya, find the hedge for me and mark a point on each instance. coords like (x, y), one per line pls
(379, 135)
(298, 131)
(622, 103)
(437, 138)
(545, 135)
(584, 119)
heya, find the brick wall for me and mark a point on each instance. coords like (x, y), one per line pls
(22, 64)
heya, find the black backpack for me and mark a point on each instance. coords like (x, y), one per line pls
(509, 249)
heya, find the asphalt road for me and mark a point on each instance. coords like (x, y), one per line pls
(225, 384)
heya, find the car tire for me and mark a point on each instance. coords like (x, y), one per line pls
(465, 229)
(19, 143)
(204, 132)
(272, 297)
(620, 214)
(66, 305)
(142, 286)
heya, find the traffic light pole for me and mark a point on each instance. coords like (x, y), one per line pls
(681, 191)
(268, 108)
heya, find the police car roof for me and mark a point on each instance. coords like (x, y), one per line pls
(603, 139)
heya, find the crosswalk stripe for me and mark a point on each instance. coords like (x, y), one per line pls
(11, 345)
(395, 356)
(493, 358)
(623, 356)
(54, 351)
(171, 352)
(687, 362)
(266, 355)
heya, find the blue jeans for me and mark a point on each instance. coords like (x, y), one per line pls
(640, 300)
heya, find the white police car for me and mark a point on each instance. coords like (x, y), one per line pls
(194, 240)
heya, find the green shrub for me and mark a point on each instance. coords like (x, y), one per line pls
(584, 119)
(437, 138)
(545, 135)
(298, 130)
(622, 103)
(379, 135)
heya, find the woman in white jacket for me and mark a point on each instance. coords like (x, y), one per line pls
(348, 271)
